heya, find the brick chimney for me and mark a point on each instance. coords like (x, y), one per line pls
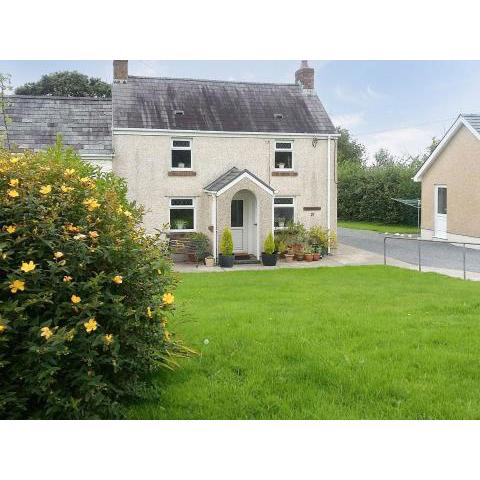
(120, 70)
(305, 76)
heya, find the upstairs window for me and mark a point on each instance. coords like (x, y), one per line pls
(283, 156)
(283, 211)
(181, 154)
(182, 214)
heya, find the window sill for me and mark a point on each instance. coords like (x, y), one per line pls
(182, 173)
(284, 173)
(181, 231)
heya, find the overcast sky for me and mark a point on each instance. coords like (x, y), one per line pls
(399, 105)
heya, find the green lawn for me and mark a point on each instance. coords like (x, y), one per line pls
(329, 343)
(378, 227)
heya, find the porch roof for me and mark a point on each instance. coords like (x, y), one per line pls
(231, 176)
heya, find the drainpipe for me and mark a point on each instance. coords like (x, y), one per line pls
(328, 187)
(214, 223)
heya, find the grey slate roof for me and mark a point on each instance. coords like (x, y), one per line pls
(84, 123)
(473, 120)
(228, 177)
(212, 105)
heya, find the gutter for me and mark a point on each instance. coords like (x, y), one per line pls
(329, 155)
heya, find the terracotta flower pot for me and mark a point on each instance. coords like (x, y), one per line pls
(209, 261)
(192, 257)
(289, 257)
(316, 256)
(309, 257)
(299, 257)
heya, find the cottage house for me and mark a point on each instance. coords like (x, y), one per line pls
(202, 155)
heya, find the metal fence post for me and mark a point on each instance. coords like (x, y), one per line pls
(385, 250)
(464, 261)
(419, 255)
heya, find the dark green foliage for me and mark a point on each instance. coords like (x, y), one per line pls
(67, 84)
(200, 245)
(349, 150)
(85, 323)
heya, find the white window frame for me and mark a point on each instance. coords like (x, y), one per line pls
(189, 148)
(283, 205)
(182, 207)
(283, 150)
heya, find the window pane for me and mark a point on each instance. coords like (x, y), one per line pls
(283, 159)
(237, 213)
(284, 145)
(181, 218)
(442, 201)
(181, 202)
(282, 216)
(283, 201)
(181, 159)
(181, 143)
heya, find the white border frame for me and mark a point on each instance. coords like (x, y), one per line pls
(275, 150)
(290, 205)
(182, 207)
(172, 148)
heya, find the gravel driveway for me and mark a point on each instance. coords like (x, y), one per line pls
(439, 255)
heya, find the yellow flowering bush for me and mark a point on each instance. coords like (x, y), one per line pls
(84, 294)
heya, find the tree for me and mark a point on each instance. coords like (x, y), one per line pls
(383, 157)
(349, 150)
(67, 84)
(5, 120)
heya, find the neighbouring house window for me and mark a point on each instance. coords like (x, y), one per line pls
(182, 214)
(283, 211)
(283, 156)
(181, 154)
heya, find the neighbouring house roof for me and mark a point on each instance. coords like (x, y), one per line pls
(211, 105)
(84, 123)
(231, 176)
(470, 121)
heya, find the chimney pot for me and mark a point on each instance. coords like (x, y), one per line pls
(305, 76)
(120, 70)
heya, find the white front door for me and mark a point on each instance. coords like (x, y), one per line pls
(238, 225)
(440, 214)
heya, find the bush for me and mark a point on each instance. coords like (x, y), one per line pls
(366, 193)
(226, 242)
(200, 245)
(269, 244)
(322, 238)
(85, 295)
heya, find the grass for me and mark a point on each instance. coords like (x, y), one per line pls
(368, 342)
(378, 227)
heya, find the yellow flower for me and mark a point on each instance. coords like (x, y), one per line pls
(166, 335)
(108, 339)
(168, 298)
(69, 335)
(13, 182)
(58, 255)
(2, 328)
(28, 266)
(75, 299)
(118, 279)
(12, 193)
(149, 312)
(11, 228)
(91, 325)
(69, 171)
(93, 234)
(72, 228)
(14, 160)
(127, 213)
(84, 180)
(66, 189)
(46, 332)
(17, 285)
(91, 204)
(67, 278)
(45, 189)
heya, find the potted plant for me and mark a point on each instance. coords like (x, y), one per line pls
(280, 247)
(281, 165)
(226, 256)
(289, 256)
(209, 261)
(180, 165)
(316, 252)
(299, 251)
(308, 255)
(269, 255)
(281, 222)
(180, 224)
(199, 247)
